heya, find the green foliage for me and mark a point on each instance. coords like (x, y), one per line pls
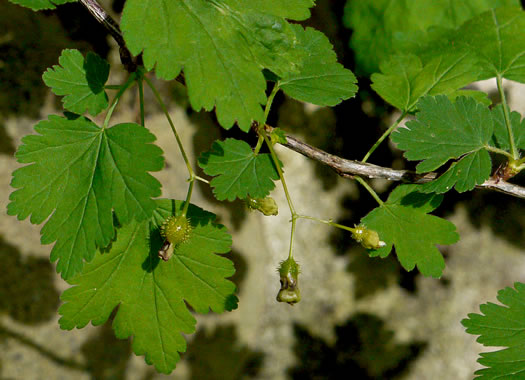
(444, 130)
(92, 187)
(80, 80)
(473, 169)
(405, 78)
(79, 173)
(403, 221)
(500, 139)
(501, 326)
(496, 37)
(321, 79)
(278, 136)
(478, 96)
(383, 27)
(151, 294)
(38, 5)
(486, 46)
(238, 171)
(222, 45)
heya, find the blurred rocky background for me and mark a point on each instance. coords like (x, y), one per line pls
(359, 318)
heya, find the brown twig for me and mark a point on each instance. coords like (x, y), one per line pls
(113, 28)
(348, 168)
(345, 168)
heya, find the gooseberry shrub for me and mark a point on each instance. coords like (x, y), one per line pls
(118, 245)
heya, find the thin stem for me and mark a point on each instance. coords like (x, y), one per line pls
(369, 189)
(269, 102)
(279, 170)
(112, 87)
(513, 150)
(123, 89)
(262, 134)
(329, 222)
(141, 100)
(499, 151)
(166, 113)
(202, 179)
(384, 136)
(259, 145)
(292, 233)
(188, 197)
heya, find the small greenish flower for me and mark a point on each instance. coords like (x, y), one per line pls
(367, 238)
(278, 136)
(267, 205)
(289, 273)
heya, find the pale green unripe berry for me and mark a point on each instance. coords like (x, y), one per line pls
(267, 205)
(367, 238)
(289, 273)
(175, 231)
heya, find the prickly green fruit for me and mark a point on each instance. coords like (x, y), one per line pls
(367, 238)
(267, 205)
(289, 273)
(176, 230)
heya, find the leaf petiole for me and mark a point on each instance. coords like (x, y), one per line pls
(172, 125)
(259, 145)
(269, 102)
(369, 189)
(188, 196)
(513, 150)
(384, 136)
(499, 151)
(131, 80)
(329, 222)
(141, 99)
(200, 179)
(193, 177)
(112, 87)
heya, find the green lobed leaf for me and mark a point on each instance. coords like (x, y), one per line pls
(223, 46)
(501, 326)
(78, 174)
(496, 37)
(403, 222)
(444, 130)
(463, 175)
(81, 81)
(150, 294)
(38, 5)
(406, 78)
(321, 79)
(291, 9)
(383, 27)
(238, 171)
(500, 139)
(478, 96)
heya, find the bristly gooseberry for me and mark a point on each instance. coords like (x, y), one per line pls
(267, 205)
(289, 273)
(175, 230)
(369, 239)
